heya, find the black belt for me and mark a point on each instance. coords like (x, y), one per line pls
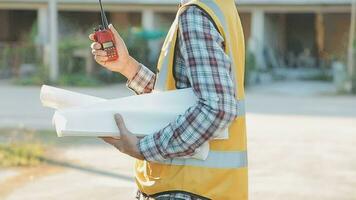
(142, 196)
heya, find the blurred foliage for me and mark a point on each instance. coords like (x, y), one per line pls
(107, 76)
(28, 51)
(5, 55)
(45, 138)
(149, 35)
(20, 154)
(250, 67)
(39, 78)
(353, 78)
(32, 80)
(73, 49)
(78, 80)
(136, 45)
(28, 147)
(20, 148)
(13, 55)
(66, 48)
(324, 75)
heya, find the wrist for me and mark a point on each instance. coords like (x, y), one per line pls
(131, 68)
(138, 150)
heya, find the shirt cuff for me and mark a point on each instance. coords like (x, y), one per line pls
(149, 149)
(143, 81)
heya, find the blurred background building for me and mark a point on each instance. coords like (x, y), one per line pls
(286, 38)
(301, 128)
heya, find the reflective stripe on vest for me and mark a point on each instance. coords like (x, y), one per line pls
(216, 159)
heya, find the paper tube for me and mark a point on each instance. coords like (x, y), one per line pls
(143, 114)
(59, 98)
(84, 115)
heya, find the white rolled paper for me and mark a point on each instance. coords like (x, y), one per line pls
(84, 115)
(59, 98)
(143, 114)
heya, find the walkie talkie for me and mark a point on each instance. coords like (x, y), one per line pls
(105, 37)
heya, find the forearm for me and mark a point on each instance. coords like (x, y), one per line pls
(142, 80)
(131, 68)
(189, 131)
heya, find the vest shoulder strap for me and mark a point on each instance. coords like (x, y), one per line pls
(213, 12)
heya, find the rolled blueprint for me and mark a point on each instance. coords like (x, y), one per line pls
(59, 98)
(143, 114)
(84, 115)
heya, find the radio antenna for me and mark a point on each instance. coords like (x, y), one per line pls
(104, 20)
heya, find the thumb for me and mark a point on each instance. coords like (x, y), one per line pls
(120, 124)
(115, 33)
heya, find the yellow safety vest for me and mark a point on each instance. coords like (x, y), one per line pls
(223, 175)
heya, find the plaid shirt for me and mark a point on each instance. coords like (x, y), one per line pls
(202, 64)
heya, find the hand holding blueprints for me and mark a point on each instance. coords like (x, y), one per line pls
(143, 114)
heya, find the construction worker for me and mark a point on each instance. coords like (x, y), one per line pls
(204, 50)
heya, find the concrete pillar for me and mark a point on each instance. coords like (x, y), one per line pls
(320, 34)
(148, 17)
(42, 39)
(257, 39)
(148, 24)
(53, 27)
(43, 26)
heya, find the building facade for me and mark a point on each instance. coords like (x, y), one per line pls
(279, 33)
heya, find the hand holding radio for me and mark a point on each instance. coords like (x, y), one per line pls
(110, 51)
(125, 64)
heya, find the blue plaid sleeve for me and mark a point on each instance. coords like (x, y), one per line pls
(208, 71)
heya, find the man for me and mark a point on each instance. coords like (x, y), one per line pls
(204, 50)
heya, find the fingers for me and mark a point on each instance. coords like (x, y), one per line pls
(91, 37)
(101, 59)
(95, 46)
(117, 143)
(109, 140)
(120, 124)
(98, 52)
(113, 29)
(99, 55)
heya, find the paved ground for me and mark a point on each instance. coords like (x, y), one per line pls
(301, 146)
